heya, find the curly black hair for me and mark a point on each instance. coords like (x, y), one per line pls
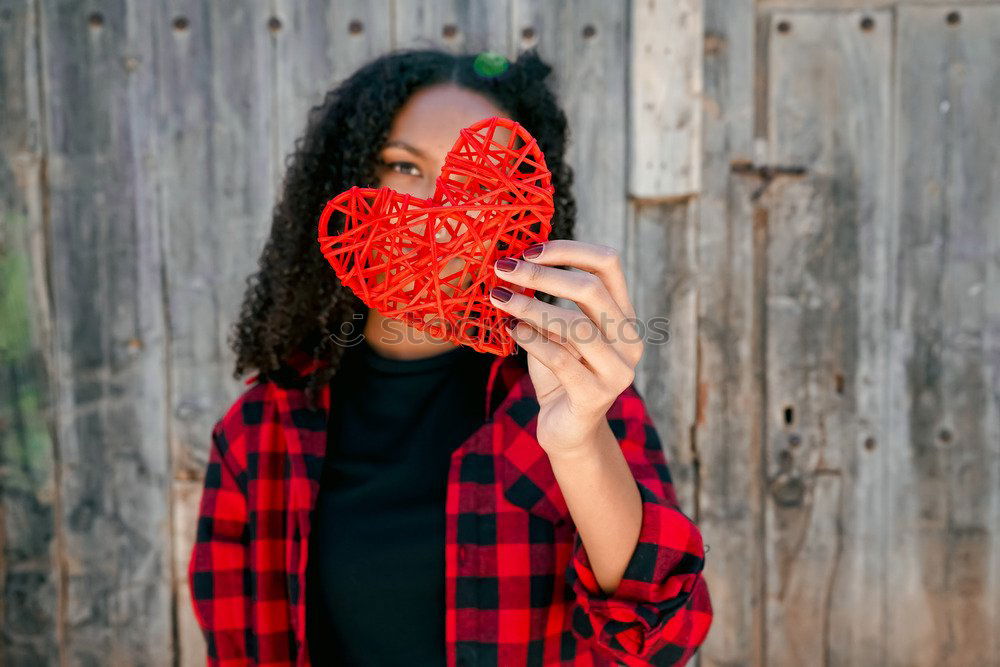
(294, 301)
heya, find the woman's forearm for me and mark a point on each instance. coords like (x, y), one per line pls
(604, 502)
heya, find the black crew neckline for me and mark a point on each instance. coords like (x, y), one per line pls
(374, 360)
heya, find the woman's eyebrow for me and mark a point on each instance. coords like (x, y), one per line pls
(405, 146)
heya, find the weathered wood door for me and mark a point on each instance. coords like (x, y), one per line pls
(848, 408)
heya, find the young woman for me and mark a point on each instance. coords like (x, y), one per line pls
(382, 497)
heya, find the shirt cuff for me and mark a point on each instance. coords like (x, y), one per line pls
(660, 612)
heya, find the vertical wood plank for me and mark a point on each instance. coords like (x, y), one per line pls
(109, 334)
(944, 465)
(216, 191)
(461, 26)
(665, 90)
(829, 111)
(725, 432)
(318, 45)
(663, 287)
(216, 181)
(29, 549)
(191, 649)
(585, 42)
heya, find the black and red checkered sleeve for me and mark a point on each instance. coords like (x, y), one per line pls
(218, 569)
(660, 613)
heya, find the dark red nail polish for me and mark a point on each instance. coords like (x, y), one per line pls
(501, 294)
(512, 322)
(506, 264)
(532, 252)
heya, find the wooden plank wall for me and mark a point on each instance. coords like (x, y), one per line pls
(29, 582)
(824, 298)
(804, 189)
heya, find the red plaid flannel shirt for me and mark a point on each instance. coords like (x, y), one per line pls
(519, 586)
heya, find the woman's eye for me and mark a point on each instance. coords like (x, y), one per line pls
(407, 168)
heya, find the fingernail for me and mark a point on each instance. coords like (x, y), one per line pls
(506, 264)
(532, 252)
(511, 323)
(501, 294)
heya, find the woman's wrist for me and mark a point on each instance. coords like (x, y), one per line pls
(588, 444)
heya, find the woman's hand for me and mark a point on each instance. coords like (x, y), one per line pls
(579, 361)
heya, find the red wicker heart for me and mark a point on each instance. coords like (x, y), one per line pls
(429, 262)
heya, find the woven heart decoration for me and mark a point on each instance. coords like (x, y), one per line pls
(429, 262)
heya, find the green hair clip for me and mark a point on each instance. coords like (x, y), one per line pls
(490, 64)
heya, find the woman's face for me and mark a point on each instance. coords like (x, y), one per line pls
(422, 133)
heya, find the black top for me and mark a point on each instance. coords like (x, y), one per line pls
(375, 576)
